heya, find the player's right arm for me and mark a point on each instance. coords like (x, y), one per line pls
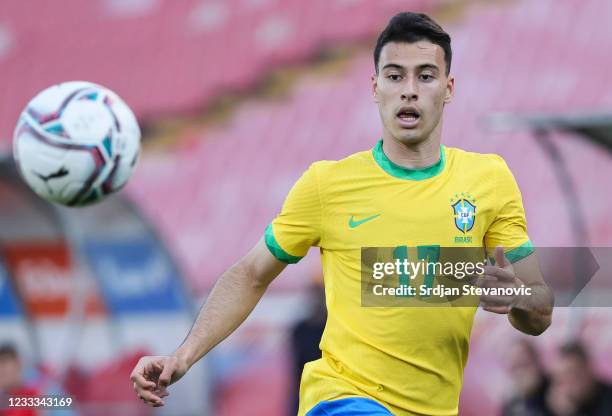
(232, 299)
(287, 240)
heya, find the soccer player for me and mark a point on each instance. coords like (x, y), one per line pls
(384, 360)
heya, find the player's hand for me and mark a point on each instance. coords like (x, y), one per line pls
(152, 376)
(499, 276)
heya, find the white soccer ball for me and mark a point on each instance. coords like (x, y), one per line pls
(76, 143)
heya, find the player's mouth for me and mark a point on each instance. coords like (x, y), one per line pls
(408, 117)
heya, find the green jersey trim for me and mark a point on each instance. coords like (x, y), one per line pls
(520, 252)
(517, 253)
(404, 173)
(276, 250)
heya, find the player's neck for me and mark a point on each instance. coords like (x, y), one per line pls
(418, 156)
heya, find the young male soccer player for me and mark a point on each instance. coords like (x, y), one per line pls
(383, 360)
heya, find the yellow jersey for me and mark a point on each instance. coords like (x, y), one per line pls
(409, 359)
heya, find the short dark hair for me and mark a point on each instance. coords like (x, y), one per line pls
(8, 351)
(413, 27)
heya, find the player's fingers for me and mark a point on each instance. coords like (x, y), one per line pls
(159, 404)
(496, 300)
(500, 274)
(474, 279)
(497, 309)
(161, 393)
(500, 258)
(149, 397)
(166, 374)
(492, 283)
(153, 369)
(158, 365)
(145, 384)
(149, 386)
(138, 378)
(153, 366)
(482, 281)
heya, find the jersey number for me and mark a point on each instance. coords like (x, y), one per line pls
(426, 253)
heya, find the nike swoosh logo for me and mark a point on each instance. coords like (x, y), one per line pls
(352, 223)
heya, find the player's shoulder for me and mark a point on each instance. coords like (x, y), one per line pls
(347, 165)
(491, 162)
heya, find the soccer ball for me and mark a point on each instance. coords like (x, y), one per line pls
(75, 143)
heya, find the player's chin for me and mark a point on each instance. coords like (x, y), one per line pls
(410, 136)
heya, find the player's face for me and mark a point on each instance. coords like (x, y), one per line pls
(411, 88)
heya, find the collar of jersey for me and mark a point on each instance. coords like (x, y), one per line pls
(404, 173)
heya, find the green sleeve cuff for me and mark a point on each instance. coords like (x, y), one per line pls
(517, 253)
(520, 252)
(277, 250)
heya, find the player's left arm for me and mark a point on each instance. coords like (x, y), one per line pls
(529, 312)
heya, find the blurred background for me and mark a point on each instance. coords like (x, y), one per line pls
(235, 99)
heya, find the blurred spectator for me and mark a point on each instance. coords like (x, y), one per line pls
(11, 382)
(529, 379)
(575, 390)
(305, 338)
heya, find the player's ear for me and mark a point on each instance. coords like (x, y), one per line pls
(374, 82)
(450, 90)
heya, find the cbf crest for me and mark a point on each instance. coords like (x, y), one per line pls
(464, 210)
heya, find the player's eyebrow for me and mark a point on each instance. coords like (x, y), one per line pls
(428, 66)
(419, 67)
(392, 65)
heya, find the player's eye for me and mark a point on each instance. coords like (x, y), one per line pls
(426, 77)
(394, 77)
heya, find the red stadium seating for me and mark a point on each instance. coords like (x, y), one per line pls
(167, 56)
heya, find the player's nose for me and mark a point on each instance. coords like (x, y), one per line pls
(410, 90)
